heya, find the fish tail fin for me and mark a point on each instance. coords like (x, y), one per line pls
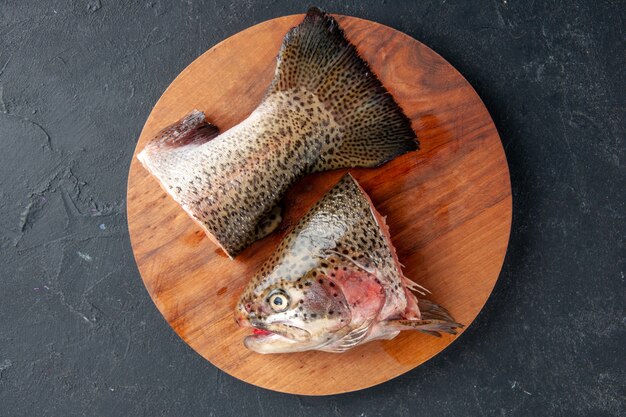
(434, 320)
(370, 126)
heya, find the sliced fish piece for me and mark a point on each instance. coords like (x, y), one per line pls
(325, 109)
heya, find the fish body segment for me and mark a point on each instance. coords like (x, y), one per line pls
(324, 110)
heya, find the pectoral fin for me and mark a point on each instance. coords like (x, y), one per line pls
(269, 223)
(431, 327)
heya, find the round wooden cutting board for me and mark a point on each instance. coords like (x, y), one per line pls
(448, 207)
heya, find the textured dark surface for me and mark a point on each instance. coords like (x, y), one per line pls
(79, 334)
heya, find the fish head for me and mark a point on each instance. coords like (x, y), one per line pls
(292, 315)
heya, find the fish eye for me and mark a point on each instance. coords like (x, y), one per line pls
(279, 301)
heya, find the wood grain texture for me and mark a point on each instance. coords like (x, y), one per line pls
(448, 207)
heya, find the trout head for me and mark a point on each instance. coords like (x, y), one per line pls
(316, 311)
(286, 315)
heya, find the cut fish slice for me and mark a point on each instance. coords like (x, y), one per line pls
(325, 109)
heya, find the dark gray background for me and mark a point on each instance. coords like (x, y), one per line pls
(79, 334)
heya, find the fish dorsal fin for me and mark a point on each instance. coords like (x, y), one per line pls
(193, 129)
(316, 56)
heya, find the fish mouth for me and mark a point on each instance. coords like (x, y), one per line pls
(277, 338)
(283, 330)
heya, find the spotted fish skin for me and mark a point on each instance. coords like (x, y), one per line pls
(324, 110)
(338, 282)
